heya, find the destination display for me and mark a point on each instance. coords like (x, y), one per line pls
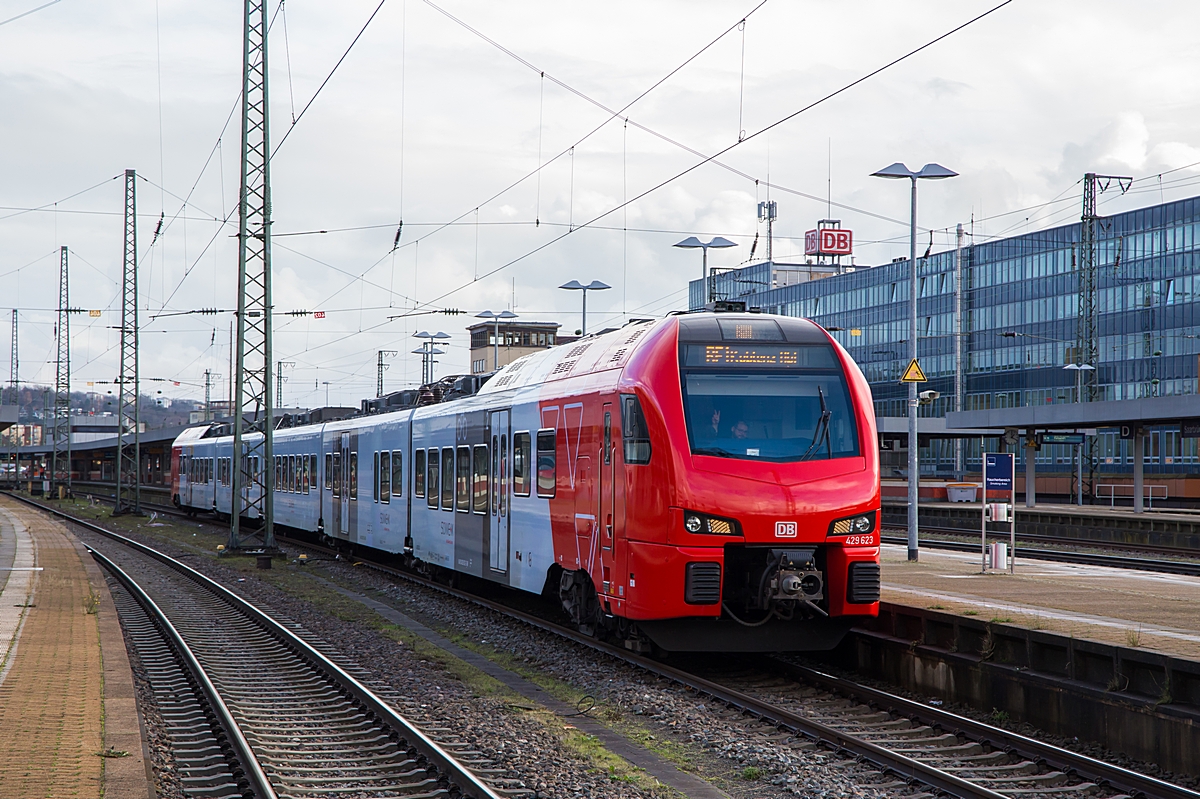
(796, 357)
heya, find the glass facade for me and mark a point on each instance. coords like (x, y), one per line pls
(1148, 300)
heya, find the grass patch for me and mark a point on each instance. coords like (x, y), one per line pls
(1133, 638)
(1001, 620)
(1000, 716)
(937, 607)
(751, 773)
(970, 613)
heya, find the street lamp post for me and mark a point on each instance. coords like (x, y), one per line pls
(691, 243)
(575, 285)
(496, 339)
(928, 172)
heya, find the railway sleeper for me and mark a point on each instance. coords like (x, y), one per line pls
(1081, 788)
(970, 748)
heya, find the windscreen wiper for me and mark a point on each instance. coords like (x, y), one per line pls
(821, 431)
(718, 451)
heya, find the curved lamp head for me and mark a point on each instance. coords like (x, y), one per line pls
(929, 171)
(719, 243)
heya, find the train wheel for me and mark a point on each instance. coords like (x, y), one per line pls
(579, 600)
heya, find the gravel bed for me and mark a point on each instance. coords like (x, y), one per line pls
(732, 749)
(431, 697)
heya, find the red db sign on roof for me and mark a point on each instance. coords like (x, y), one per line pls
(828, 241)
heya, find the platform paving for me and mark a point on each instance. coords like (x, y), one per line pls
(66, 690)
(1156, 612)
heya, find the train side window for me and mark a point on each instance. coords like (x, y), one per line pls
(521, 460)
(547, 471)
(479, 479)
(385, 476)
(375, 476)
(608, 437)
(328, 470)
(397, 473)
(352, 477)
(503, 488)
(634, 433)
(418, 472)
(337, 474)
(447, 478)
(495, 475)
(462, 482)
(432, 471)
(312, 460)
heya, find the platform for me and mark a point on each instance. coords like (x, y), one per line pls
(68, 718)
(1152, 611)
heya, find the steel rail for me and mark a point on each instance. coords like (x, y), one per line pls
(1116, 777)
(1003, 740)
(252, 771)
(1187, 568)
(459, 775)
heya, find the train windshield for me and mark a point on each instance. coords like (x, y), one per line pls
(768, 403)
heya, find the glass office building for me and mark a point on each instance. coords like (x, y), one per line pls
(1020, 301)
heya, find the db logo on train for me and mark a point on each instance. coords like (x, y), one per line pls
(785, 529)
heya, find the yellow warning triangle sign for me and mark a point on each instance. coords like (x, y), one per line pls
(913, 373)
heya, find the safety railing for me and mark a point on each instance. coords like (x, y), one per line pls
(1126, 489)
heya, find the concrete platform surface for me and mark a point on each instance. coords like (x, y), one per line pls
(69, 725)
(1156, 612)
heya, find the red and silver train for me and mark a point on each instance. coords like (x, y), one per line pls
(707, 481)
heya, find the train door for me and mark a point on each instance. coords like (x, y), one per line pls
(607, 487)
(498, 522)
(348, 447)
(333, 463)
(188, 477)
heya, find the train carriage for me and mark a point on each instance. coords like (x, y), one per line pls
(702, 482)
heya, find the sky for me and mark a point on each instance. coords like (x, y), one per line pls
(442, 113)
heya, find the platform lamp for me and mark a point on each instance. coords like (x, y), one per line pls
(496, 341)
(928, 172)
(427, 352)
(717, 243)
(575, 285)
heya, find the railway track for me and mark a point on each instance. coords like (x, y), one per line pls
(255, 708)
(918, 748)
(1188, 567)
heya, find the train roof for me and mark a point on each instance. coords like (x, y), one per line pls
(598, 353)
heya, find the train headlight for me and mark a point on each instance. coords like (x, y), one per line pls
(709, 525)
(854, 525)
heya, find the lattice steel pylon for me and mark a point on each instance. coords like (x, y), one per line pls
(253, 437)
(129, 497)
(1087, 335)
(382, 368)
(14, 380)
(60, 437)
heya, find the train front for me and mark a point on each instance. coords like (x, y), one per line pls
(761, 530)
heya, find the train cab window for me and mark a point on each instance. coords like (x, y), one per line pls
(462, 482)
(479, 479)
(337, 474)
(397, 473)
(328, 470)
(635, 436)
(352, 476)
(419, 473)
(383, 466)
(447, 478)
(522, 452)
(432, 471)
(547, 470)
